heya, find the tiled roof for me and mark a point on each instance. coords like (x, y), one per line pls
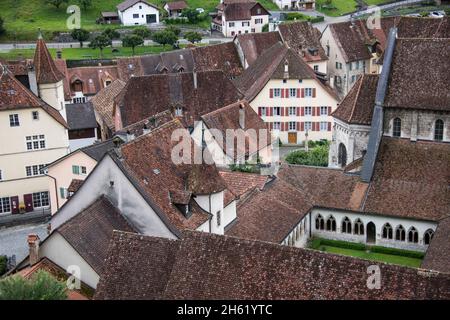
(75, 184)
(227, 118)
(302, 36)
(437, 257)
(254, 44)
(148, 159)
(419, 77)
(81, 116)
(270, 214)
(177, 5)
(222, 56)
(128, 3)
(90, 231)
(208, 266)
(357, 106)
(238, 10)
(146, 96)
(14, 95)
(98, 150)
(138, 129)
(103, 102)
(411, 180)
(44, 66)
(240, 183)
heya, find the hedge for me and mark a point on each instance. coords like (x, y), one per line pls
(398, 252)
(3, 265)
(343, 244)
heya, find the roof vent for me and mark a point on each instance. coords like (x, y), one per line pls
(156, 171)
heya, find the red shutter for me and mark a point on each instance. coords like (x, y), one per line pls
(287, 93)
(303, 92)
(314, 92)
(297, 111)
(329, 110)
(282, 93)
(313, 111)
(282, 126)
(302, 111)
(259, 111)
(286, 112)
(271, 93)
(298, 93)
(329, 126)
(318, 111)
(270, 111)
(298, 126)
(302, 126)
(271, 125)
(282, 111)
(317, 126)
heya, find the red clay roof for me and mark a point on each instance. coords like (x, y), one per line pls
(177, 5)
(254, 44)
(103, 102)
(437, 257)
(240, 183)
(45, 68)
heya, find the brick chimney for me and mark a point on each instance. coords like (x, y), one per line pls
(33, 245)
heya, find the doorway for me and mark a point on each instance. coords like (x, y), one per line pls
(371, 232)
(28, 199)
(342, 155)
(151, 18)
(292, 137)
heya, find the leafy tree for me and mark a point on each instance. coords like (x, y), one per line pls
(174, 29)
(165, 37)
(42, 286)
(2, 28)
(265, 28)
(100, 42)
(85, 3)
(193, 36)
(80, 35)
(317, 156)
(56, 3)
(111, 33)
(143, 32)
(191, 15)
(132, 41)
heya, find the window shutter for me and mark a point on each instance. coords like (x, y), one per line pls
(302, 126)
(297, 111)
(329, 126)
(298, 93)
(318, 111)
(329, 110)
(259, 111)
(271, 125)
(317, 126)
(75, 170)
(286, 94)
(271, 93)
(286, 111)
(313, 111)
(314, 92)
(303, 92)
(298, 126)
(302, 111)
(282, 93)
(271, 111)
(314, 128)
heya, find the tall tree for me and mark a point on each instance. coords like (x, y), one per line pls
(132, 41)
(85, 3)
(193, 36)
(56, 3)
(143, 32)
(2, 28)
(80, 35)
(191, 14)
(165, 37)
(100, 42)
(111, 34)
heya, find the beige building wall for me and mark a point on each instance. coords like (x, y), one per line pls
(61, 175)
(322, 99)
(53, 95)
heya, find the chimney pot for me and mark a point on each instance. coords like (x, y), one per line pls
(33, 246)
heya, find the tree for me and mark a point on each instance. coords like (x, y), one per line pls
(143, 32)
(193, 36)
(41, 286)
(56, 3)
(80, 35)
(165, 37)
(85, 3)
(2, 28)
(132, 41)
(100, 42)
(191, 14)
(111, 34)
(174, 29)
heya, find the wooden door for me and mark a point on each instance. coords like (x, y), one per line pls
(292, 137)
(28, 199)
(15, 205)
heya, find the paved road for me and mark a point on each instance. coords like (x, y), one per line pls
(13, 241)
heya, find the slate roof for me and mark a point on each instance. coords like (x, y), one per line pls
(437, 257)
(90, 231)
(128, 3)
(97, 150)
(146, 96)
(357, 106)
(419, 77)
(208, 266)
(14, 95)
(254, 44)
(103, 102)
(411, 180)
(302, 36)
(44, 66)
(81, 116)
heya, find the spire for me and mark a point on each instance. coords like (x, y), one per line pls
(46, 70)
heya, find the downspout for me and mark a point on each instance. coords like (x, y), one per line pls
(56, 190)
(210, 219)
(310, 233)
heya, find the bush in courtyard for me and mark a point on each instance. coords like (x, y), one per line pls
(398, 252)
(343, 244)
(316, 156)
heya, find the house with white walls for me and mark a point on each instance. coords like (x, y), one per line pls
(137, 12)
(295, 5)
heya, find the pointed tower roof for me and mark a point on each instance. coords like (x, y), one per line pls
(46, 70)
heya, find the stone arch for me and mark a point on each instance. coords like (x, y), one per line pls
(371, 232)
(342, 155)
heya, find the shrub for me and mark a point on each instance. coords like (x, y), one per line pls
(296, 16)
(2, 28)
(193, 36)
(142, 32)
(165, 37)
(317, 19)
(398, 252)
(316, 156)
(42, 286)
(247, 168)
(343, 244)
(3, 265)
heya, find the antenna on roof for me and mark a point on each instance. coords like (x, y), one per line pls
(39, 33)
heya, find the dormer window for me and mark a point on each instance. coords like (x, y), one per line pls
(178, 111)
(77, 86)
(107, 83)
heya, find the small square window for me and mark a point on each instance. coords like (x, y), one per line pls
(35, 115)
(14, 120)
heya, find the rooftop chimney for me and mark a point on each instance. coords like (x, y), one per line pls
(194, 74)
(33, 245)
(242, 116)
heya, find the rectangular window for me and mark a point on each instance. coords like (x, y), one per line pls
(308, 92)
(40, 199)
(323, 111)
(353, 78)
(35, 170)
(292, 111)
(231, 24)
(277, 92)
(35, 115)
(14, 120)
(263, 111)
(316, 68)
(276, 125)
(292, 92)
(218, 219)
(83, 170)
(63, 193)
(75, 169)
(79, 100)
(308, 111)
(276, 111)
(1, 175)
(136, 16)
(308, 126)
(246, 24)
(292, 126)
(35, 142)
(324, 126)
(258, 21)
(5, 205)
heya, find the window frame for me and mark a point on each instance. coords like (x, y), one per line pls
(439, 136)
(14, 120)
(397, 127)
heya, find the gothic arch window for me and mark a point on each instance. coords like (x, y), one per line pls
(439, 130)
(387, 231)
(400, 233)
(397, 127)
(320, 224)
(428, 235)
(413, 235)
(346, 225)
(342, 155)
(331, 224)
(359, 227)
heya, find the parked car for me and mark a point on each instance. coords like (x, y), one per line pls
(437, 14)
(200, 10)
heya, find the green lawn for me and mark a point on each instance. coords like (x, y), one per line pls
(394, 259)
(83, 53)
(342, 7)
(376, 2)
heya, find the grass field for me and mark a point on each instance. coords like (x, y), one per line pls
(376, 2)
(342, 7)
(24, 17)
(382, 257)
(87, 53)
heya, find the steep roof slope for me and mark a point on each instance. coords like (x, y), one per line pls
(44, 66)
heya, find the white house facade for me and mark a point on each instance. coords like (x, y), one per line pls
(137, 12)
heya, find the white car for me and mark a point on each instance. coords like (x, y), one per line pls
(437, 14)
(200, 10)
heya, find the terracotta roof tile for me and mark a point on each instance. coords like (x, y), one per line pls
(45, 68)
(254, 44)
(177, 5)
(103, 102)
(437, 257)
(240, 183)
(75, 184)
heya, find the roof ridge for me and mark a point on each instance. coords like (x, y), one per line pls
(154, 131)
